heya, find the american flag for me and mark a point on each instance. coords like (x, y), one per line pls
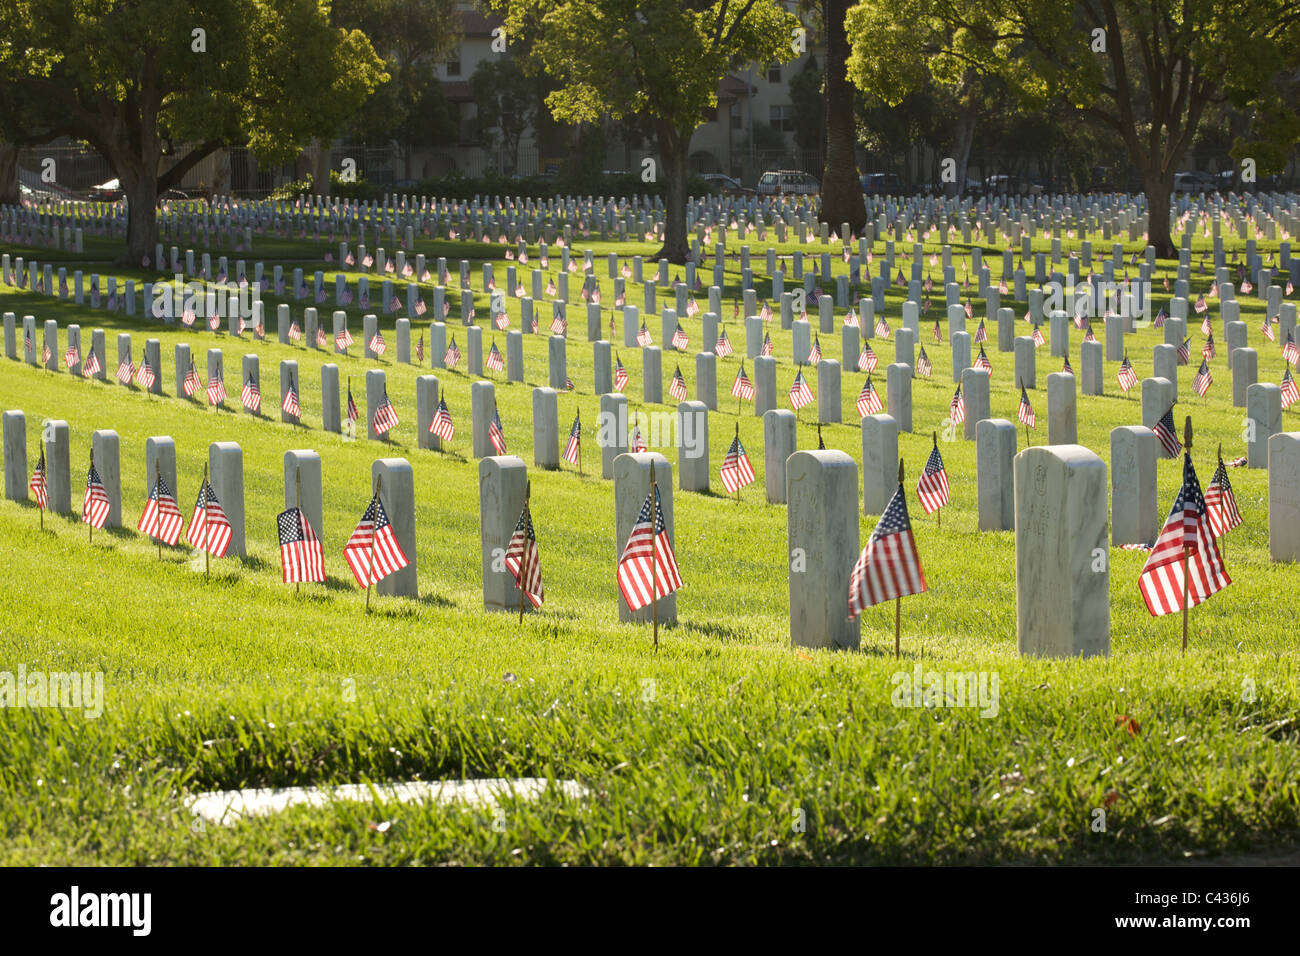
(419, 350)
(209, 527)
(882, 327)
(1208, 351)
(342, 339)
(568, 384)
(1203, 380)
(1290, 394)
(385, 416)
(643, 337)
(932, 489)
(680, 340)
(1221, 503)
(869, 402)
(648, 569)
(1161, 317)
(1164, 430)
(37, 484)
(353, 414)
(677, 387)
(1290, 351)
(1267, 329)
(957, 408)
(188, 316)
(1185, 352)
(501, 321)
(889, 566)
(94, 504)
(573, 448)
(523, 559)
(1200, 304)
(1026, 412)
(290, 404)
(1207, 327)
(923, 366)
(496, 434)
(558, 323)
(162, 519)
(214, 322)
(125, 370)
(1039, 340)
(321, 340)
(46, 354)
(451, 358)
(533, 325)
(982, 361)
(494, 361)
(937, 334)
(216, 389)
(1126, 377)
(1187, 535)
(191, 383)
(442, 425)
(800, 393)
(981, 334)
(251, 396)
(91, 366)
(768, 348)
(851, 319)
(1089, 335)
(736, 471)
(867, 359)
(723, 347)
(1067, 367)
(742, 387)
(620, 375)
(373, 552)
(71, 356)
(301, 555)
(144, 376)
(377, 343)
(815, 353)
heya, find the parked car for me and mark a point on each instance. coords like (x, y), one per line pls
(109, 191)
(1194, 182)
(721, 184)
(788, 182)
(882, 184)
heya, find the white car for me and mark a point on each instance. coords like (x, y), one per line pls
(788, 182)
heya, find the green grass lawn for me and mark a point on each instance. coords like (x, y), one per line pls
(704, 752)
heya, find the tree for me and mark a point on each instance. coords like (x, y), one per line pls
(507, 102)
(841, 185)
(806, 103)
(663, 58)
(1150, 70)
(151, 80)
(412, 36)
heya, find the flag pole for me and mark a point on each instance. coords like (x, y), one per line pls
(528, 494)
(737, 439)
(89, 524)
(207, 527)
(297, 503)
(938, 520)
(654, 546)
(1223, 537)
(898, 601)
(1187, 446)
(579, 444)
(157, 477)
(370, 570)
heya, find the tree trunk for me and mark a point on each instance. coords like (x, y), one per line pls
(10, 194)
(673, 145)
(1159, 185)
(140, 186)
(965, 137)
(841, 186)
(320, 173)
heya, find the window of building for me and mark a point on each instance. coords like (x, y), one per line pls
(781, 117)
(453, 62)
(774, 73)
(735, 116)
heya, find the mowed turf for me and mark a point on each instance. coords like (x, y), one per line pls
(713, 749)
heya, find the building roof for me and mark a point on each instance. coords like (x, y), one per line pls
(731, 88)
(476, 24)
